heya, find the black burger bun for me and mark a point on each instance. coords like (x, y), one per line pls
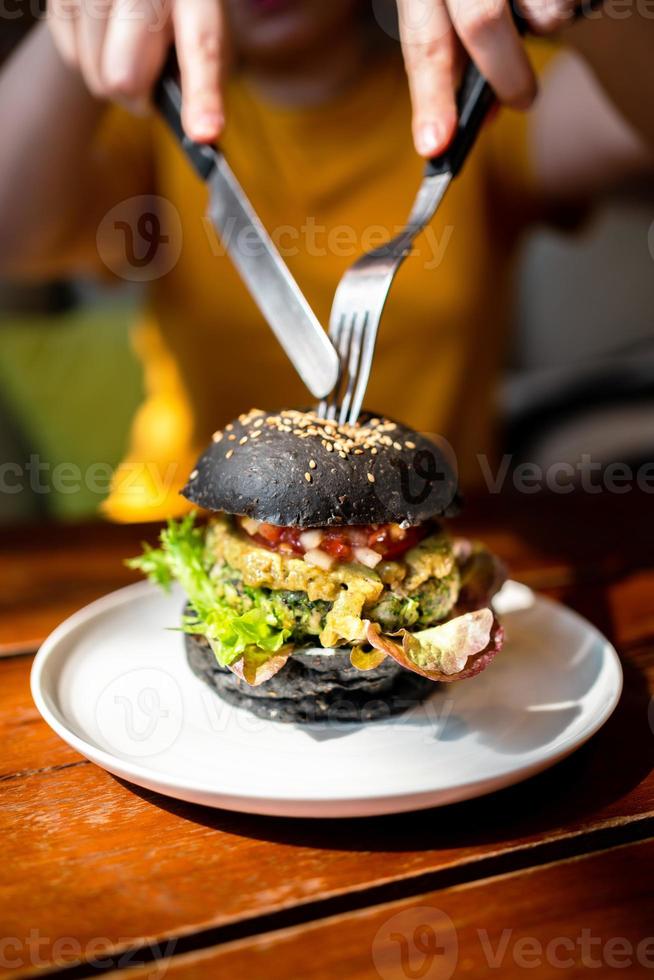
(293, 469)
(314, 687)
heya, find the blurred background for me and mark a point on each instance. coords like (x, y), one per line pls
(579, 381)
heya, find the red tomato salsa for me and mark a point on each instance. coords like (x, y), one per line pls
(388, 540)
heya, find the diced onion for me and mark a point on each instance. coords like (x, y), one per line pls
(249, 525)
(358, 536)
(367, 557)
(319, 558)
(310, 539)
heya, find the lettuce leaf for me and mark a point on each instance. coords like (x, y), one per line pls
(459, 648)
(256, 668)
(366, 659)
(182, 557)
(482, 575)
(251, 639)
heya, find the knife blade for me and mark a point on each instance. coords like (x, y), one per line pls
(255, 255)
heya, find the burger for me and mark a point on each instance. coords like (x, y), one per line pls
(321, 580)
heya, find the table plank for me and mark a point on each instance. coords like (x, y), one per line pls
(50, 571)
(588, 914)
(91, 857)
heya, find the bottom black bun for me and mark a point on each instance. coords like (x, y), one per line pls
(314, 686)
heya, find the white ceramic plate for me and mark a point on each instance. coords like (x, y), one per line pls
(113, 682)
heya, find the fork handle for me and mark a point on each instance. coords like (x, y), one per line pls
(474, 100)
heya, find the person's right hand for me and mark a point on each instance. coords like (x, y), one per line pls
(120, 47)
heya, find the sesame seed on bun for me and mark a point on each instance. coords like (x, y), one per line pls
(294, 469)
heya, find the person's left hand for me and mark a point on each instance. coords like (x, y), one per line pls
(436, 34)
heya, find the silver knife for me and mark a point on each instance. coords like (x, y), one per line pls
(262, 268)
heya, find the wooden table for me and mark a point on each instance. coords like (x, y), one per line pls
(549, 878)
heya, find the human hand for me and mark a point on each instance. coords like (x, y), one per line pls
(120, 46)
(437, 34)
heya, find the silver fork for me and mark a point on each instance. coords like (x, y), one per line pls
(362, 292)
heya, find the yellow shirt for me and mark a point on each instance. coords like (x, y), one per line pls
(327, 182)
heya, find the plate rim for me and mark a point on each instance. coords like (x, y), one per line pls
(346, 804)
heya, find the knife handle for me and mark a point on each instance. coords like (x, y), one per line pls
(474, 100)
(168, 100)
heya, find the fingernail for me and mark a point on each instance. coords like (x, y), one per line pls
(206, 125)
(430, 138)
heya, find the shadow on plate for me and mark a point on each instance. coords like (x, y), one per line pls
(569, 795)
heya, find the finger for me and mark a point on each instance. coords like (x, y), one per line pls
(547, 16)
(63, 16)
(91, 30)
(137, 41)
(199, 28)
(491, 39)
(430, 55)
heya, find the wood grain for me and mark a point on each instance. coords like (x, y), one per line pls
(50, 571)
(89, 858)
(589, 915)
